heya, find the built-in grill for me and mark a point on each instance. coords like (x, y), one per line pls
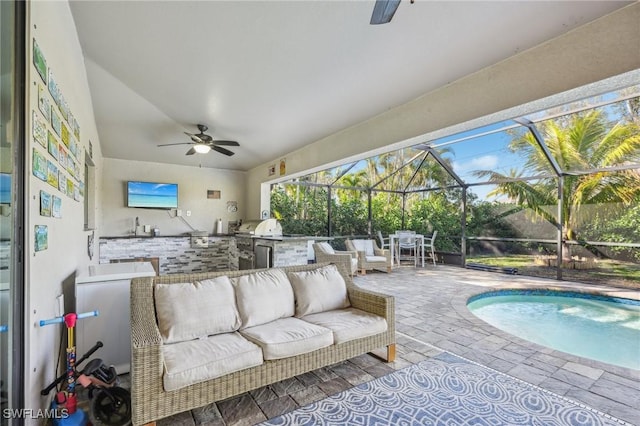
(246, 242)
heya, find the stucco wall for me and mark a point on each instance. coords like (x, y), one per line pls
(193, 183)
(49, 271)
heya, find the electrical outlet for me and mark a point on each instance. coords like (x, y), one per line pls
(60, 307)
(188, 213)
(178, 212)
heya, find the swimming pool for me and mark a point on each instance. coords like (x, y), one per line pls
(592, 326)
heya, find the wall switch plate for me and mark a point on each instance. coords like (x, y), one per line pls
(178, 212)
(188, 213)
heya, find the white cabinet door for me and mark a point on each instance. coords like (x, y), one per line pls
(111, 326)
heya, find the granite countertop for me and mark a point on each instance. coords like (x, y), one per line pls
(116, 237)
(293, 238)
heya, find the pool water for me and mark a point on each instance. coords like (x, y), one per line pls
(596, 327)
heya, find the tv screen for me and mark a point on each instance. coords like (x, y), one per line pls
(152, 195)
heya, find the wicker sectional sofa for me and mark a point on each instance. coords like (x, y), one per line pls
(177, 364)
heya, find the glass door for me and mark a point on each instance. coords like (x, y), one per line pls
(11, 205)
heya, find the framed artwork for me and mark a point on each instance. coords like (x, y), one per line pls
(64, 135)
(39, 61)
(283, 167)
(271, 170)
(43, 102)
(63, 157)
(213, 194)
(41, 237)
(64, 108)
(39, 129)
(70, 186)
(54, 149)
(56, 207)
(82, 189)
(73, 148)
(76, 192)
(62, 182)
(39, 165)
(52, 174)
(54, 89)
(55, 121)
(45, 203)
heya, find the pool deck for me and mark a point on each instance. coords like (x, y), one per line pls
(431, 312)
(432, 317)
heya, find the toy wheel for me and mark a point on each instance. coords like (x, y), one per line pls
(111, 407)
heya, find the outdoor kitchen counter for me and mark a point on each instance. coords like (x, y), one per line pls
(175, 254)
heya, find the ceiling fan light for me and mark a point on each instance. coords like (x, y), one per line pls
(201, 148)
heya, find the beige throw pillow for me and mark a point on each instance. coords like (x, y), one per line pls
(263, 297)
(187, 311)
(319, 290)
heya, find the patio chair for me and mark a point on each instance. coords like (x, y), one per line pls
(384, 242)
(325, 253)
(407, 241)
(370, 256)
(428, 246)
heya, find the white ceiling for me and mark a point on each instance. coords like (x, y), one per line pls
(278, 75)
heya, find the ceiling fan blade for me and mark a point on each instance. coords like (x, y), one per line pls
(222, 150)
(171, 144)
(191, 151)
(383, 11)
(225, 143)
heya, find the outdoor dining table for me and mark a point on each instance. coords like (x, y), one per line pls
(392, 246)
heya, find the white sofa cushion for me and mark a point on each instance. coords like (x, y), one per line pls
(187, 311)
(349, 324)
(319, 290)
(288, 337)
(195, 361)
(263, 297)
(364, 245)
(376, 258)
(326, 247)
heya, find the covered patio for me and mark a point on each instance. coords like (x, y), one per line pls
(552, 193)
(432, 318)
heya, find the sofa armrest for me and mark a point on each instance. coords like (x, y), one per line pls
(381, 252)
(144, 329)
(375, 303)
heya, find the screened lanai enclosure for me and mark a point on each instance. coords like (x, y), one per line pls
(555, 193)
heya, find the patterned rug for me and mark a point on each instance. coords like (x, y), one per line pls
(444, 390)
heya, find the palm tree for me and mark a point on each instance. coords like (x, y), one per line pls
(580, 143)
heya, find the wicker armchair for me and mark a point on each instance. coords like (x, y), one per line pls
(325, 253)
(370, 256)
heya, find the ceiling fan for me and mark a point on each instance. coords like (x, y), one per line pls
(203, 143)
(383, 11)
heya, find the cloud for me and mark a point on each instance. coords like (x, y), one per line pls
(485, 162)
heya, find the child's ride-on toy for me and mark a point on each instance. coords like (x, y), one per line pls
(110, 405)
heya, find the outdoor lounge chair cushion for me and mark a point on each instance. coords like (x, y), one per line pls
(263, 297)
(375, 258)
(364, 245)
(349, 324)
(195, 361)
(326, 247)
(319, 290)
(288, 337)
(187, 311)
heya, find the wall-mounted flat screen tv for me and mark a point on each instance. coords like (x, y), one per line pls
(152, 195)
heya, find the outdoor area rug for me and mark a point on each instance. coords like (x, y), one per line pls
(444, 390)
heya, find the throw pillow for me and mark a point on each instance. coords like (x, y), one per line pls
(263, 297)
(326, 247)
(187, 311)
(319, 290)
